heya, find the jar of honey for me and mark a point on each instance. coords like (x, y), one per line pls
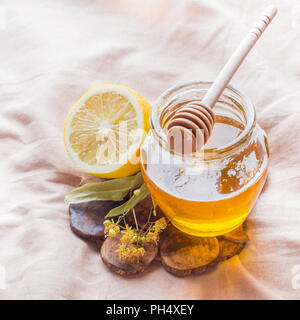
(212, 191)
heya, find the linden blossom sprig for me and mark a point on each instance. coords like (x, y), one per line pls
(132, 240)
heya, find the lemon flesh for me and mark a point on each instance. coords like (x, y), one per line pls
(105, 129)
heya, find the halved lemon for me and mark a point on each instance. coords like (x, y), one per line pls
(105, 129)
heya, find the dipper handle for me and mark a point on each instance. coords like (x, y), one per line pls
(191, 126)
(238, 57)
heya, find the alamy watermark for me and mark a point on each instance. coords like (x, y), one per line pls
(114, 141)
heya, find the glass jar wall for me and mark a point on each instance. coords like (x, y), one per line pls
(210, 192)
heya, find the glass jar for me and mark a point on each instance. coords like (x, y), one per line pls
(212, 191)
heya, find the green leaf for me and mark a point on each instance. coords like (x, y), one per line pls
(114, 189)
(131, 203)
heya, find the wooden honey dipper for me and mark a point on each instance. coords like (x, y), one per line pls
(191, 126)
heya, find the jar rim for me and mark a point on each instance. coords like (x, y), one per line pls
(161, 104)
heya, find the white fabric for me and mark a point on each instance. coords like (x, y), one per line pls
(54, 51)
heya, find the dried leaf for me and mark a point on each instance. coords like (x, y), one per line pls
(114, 189)
(131, 203)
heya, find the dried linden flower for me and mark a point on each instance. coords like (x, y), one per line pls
(111, 228)
(136, 192)
(131, 240)
(152, 234)
(129, 235)
(130, 252)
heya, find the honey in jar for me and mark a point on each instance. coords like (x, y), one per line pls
(212, 191)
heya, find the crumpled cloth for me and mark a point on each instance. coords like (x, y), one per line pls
(54, 51)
